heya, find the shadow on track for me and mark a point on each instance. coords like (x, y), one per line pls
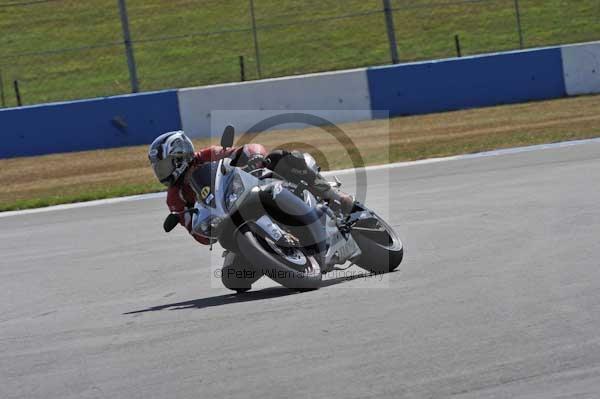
(344, 279)
(227, 299)
(221, 300)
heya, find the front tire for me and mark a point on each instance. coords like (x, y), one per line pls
(295, 269)
(238, 275)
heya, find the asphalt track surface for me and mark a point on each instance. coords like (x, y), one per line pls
(498, 297)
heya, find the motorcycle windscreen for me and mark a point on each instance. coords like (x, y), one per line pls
(203, 183)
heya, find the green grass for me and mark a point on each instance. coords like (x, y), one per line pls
(289, 43)
(81, 196)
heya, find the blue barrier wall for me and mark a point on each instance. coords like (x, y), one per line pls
(477, 81)
(89, 124)
(406, 89)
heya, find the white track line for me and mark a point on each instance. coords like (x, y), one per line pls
(506, 151)
(485, 154)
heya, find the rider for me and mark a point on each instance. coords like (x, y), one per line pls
(173, 160)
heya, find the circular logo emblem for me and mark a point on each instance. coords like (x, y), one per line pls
(204, 192)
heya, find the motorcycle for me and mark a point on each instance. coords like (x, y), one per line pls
(271, 227)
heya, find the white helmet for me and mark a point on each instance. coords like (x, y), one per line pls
(170, 155)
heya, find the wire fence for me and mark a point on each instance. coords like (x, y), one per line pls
(54, 50)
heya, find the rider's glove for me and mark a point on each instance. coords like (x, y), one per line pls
(256, 161)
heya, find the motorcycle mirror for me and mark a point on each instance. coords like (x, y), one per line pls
(170, 222)
(227, 137)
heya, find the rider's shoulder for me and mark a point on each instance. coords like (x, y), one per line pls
(209, 153)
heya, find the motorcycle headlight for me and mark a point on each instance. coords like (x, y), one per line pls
(206, 223)
(234, 191)
(210, 227)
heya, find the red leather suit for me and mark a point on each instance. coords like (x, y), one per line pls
(180, 196)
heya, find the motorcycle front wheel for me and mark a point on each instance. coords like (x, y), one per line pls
(238, 275)
(292, 267)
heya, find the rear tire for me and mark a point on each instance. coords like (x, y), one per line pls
(299, 271)
(382, 250)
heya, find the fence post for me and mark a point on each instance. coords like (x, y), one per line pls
(128, 47)
(242, 69)
(2, 90)
(17, 92)
(391, 32)
(457, 43)
(255, 36)
(519, 28)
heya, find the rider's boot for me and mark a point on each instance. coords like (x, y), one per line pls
(339, 201)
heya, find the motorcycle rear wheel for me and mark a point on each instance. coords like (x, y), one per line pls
(382, 249)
